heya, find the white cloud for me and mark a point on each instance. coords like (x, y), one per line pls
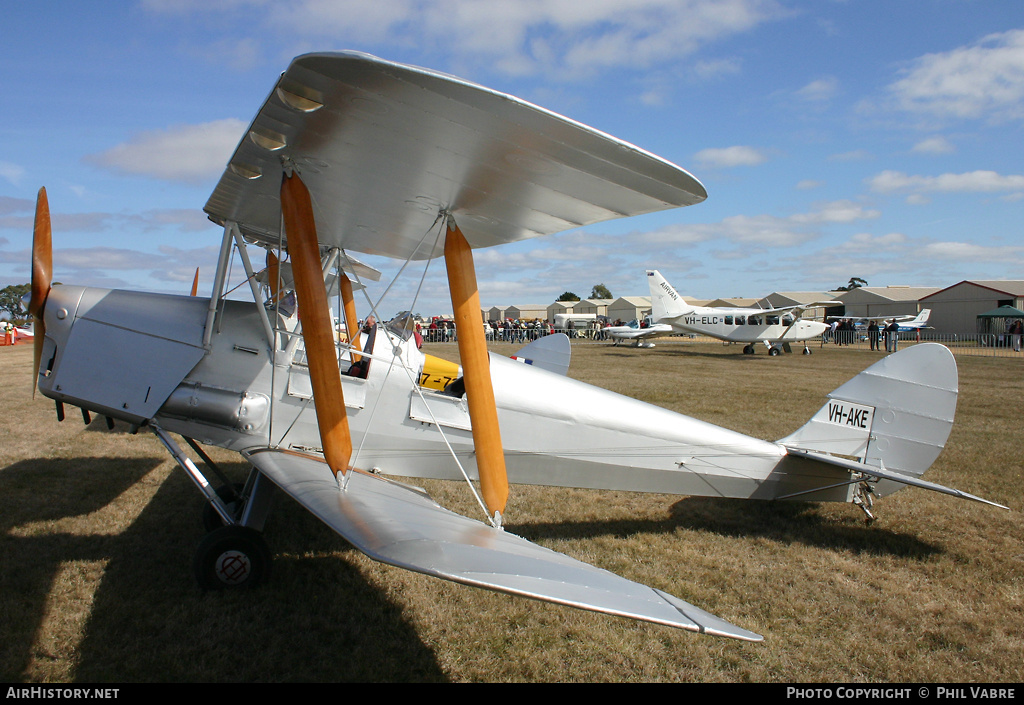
(866, 242)
(969, 251)
(985, 79)
(857, 155)
(969, 182)
(190, 153)
(934, 145)
(760, 230)
(710, 70)
(564, 38)
(11, 172)
(728, 157)
(820, 90)
(837, 212)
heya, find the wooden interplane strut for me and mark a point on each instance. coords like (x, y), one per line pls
(311, 294)
(476, 366)
(351, 319)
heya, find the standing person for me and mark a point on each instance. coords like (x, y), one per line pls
(873, 336)
(892, 335)
(1016, 330)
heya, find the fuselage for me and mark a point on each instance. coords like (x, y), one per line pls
(147, 357)
(742, 325)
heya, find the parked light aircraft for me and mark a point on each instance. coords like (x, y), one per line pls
(906, 322)
(638, 332)
(353, 153)
(775, 327)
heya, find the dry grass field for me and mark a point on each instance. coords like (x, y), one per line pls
(99, 529)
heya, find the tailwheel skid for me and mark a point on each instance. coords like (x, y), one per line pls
(864, 497)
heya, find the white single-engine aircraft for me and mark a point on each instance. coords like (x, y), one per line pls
(638, 332)
(353, 153)
(775, 327)
(906, 322)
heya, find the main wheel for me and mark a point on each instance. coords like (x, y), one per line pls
(232, 558)
(773, 351)
(748, 349)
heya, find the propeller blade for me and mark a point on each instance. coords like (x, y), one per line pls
(195, 283)
(42, 276)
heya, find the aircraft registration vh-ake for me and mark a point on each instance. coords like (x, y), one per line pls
(350, 153)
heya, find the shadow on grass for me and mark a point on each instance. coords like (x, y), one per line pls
(784, 522)
(316, 619)
(36, 492)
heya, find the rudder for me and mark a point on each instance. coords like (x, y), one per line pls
(898, 413)
(666, 303)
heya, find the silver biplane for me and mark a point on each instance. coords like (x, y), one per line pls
(352, 154)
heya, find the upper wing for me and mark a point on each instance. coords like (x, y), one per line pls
(800, 308)
(898, 319)
(401, 526)
(384, 147)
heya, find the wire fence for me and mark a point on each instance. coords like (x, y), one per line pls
(985, 345)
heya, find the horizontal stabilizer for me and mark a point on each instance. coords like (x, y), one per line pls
(401, 526)
(883, 474)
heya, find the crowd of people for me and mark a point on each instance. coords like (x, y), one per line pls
(844, 332)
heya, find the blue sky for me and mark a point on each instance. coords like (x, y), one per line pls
(836, 138)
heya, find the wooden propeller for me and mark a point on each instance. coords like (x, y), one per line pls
(42, 278)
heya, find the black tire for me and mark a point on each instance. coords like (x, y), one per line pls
(773, 351)
(748, 350)
(229, 495)
(232, 558)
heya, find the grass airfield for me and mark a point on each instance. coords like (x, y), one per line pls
(99, 529)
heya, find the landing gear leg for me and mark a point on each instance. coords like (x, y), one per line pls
(233, 554)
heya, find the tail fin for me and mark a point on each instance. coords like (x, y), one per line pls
(552, 353)
(922, 317)
(896, 414)
(665, 302)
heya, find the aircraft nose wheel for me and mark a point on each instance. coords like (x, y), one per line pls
(232, 558)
